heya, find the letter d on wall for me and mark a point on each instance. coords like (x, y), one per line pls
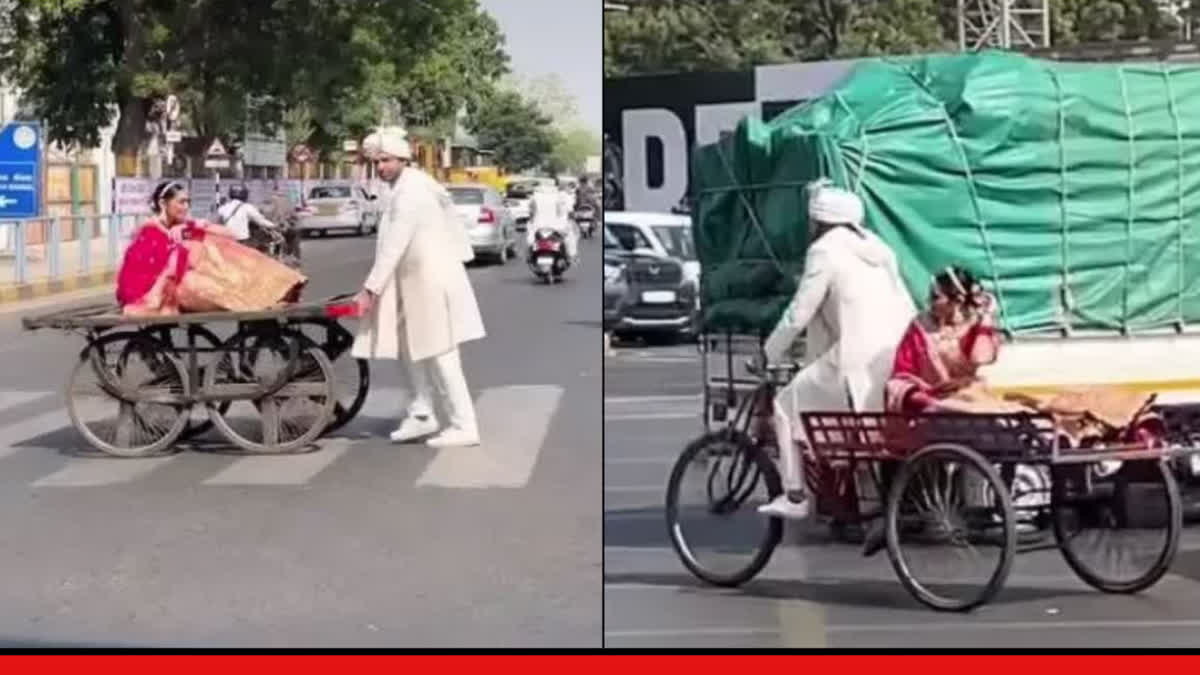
(637, 128)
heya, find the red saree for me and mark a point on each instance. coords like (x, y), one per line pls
(203, 273)
(935, 370)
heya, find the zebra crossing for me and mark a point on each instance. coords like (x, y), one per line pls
(514, 425)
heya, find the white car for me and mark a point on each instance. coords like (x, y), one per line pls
(489, 223)
(666, 234)
(518, 198)
(339, 207)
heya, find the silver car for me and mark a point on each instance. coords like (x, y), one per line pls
(339, 207)
(489, 223)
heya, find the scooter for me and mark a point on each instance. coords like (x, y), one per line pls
(548, 255)
(585, 218)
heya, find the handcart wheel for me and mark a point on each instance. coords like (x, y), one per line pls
(125, 395)
(949, 505)
(1117, 527)
(199, 422)
(713, 495)
(285, 420)
(352, 377)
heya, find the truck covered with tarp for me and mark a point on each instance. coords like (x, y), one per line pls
(1071, 190)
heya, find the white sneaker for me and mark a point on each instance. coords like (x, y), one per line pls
(413, 428)
(782, 507)
(454, 437)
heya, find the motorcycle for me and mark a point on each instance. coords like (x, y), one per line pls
(585, 218)
(548, 255)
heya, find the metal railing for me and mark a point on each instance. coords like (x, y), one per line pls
(56, 247)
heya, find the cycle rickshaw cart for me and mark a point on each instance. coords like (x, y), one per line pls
(282, 379)
(944, 487)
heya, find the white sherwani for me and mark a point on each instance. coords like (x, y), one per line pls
(856, 308)
(426, 306)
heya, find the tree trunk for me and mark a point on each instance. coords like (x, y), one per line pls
(131, 125)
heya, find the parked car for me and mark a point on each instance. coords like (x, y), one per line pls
(489, 222)
(617, 290)
(518, 198)
(660, 303)
(339, 207)
(664, 233)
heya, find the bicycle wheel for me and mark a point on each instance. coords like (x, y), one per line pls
(124, 395)
(715, 487)
(949, 506)
(285, 420)
(1117, 529)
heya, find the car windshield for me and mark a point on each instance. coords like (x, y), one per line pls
(466, 196)
(677, 240)
(518, 191)
(327, 192)
(630, 237)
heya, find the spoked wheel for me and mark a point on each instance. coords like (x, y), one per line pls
(351, 376)
(125, 395)
(951, 528)
(715, 489)
(208, 346)
(287, 419)
(1117, 524)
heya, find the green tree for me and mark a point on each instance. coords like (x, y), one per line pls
(515, 129)
(78, 60)
(571, 148)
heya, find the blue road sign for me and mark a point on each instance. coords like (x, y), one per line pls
(20, 170)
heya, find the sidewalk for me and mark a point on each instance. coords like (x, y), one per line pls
(72, 274)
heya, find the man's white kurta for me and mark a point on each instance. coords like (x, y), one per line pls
(425, 304)
(458, 229)
(856, 308)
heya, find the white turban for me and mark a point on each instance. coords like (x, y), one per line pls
(828, 204)
(388, 141)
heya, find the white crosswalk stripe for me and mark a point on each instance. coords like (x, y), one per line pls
(514, 422)
(99, 471)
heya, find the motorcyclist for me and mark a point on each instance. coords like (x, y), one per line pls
(548, 210)
(237, 213)
(584, 194)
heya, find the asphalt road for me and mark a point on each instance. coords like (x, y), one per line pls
(361, 543)
(816, 593)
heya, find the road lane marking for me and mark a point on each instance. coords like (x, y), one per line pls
(95, 472)
(23, 430)
(687, 632)
(630, 489)
(1012, 625)
(513, 424)
(638, 400)
(801, 624)
(281, 469)
(12, 399)
(642, 417)
(664, 460)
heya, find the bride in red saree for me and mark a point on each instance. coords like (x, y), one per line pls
(936, 369)
(177, 264)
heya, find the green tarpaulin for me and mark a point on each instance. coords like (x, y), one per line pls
(1073, 190)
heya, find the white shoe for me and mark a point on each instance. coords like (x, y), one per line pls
(454, 437)
(413, 428)
(782, 507)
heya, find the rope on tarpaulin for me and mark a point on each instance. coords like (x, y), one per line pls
(762, 233)
(1179, 220)
(1129, 211)
(980, 222)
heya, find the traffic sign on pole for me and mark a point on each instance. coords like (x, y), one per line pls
(20, 170)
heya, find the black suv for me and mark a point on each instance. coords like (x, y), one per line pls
(655, 299)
